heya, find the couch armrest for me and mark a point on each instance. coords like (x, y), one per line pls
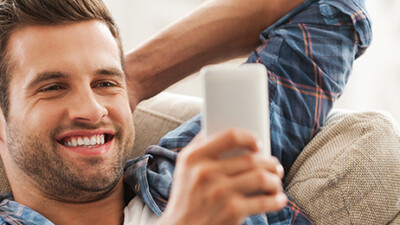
(349, 172)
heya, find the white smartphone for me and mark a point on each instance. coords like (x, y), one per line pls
(236, 96)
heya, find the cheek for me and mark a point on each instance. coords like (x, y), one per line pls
(119, 109)
(25, 141)
(43, 116)
(120, 113)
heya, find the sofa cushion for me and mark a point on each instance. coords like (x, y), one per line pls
(155, 117)
(349, 172)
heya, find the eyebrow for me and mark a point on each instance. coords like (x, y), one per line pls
(111, 71)
(47, 75)
(50, 75)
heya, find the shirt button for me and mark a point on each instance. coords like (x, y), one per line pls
(137, 187)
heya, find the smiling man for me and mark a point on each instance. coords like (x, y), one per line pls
(68, 106)
(69, 123)
(69, 129)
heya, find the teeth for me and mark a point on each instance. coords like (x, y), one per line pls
(93, 140)
(74, 142)
(88, 141)
(98, 139)
(80, 141)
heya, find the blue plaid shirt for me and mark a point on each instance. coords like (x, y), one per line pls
(308, 55)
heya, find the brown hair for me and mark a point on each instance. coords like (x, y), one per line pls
(15, 14)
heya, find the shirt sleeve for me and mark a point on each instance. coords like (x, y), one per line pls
(309, 56)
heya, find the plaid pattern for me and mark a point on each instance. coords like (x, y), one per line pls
(308, 55)
(160, 161)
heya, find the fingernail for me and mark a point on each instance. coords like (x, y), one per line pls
(281, 199)
(280, 170)
(260, 145)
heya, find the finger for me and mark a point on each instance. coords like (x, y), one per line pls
(263, 204)
(223, 142)
(244, 163)
(256, 182)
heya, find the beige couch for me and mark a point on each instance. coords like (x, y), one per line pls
(348, 174)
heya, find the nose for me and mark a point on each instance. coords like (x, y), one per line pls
(86, 108)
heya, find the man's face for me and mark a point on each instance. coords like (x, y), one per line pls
(70, 126)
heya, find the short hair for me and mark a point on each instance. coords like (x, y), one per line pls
(15, 14)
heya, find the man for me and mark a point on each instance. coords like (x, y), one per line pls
(68, 128)
(70, 96)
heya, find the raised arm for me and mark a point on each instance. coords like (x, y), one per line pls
(216, 31)
(308, 54)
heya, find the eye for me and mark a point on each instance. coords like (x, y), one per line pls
(54, 87)
(106, 84)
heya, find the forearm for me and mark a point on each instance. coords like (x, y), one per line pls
(216, 31)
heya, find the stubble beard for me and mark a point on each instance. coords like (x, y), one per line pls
(39, 158)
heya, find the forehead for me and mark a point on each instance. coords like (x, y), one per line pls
(80, 46)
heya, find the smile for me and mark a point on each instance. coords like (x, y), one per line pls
(86, 141)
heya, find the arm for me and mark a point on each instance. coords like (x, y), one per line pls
(209, 190)
(216, 31)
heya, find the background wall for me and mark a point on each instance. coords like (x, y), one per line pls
(374, 84)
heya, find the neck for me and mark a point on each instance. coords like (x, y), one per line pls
(108, 210)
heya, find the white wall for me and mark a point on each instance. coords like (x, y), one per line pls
(374, 84)
(140, 19)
